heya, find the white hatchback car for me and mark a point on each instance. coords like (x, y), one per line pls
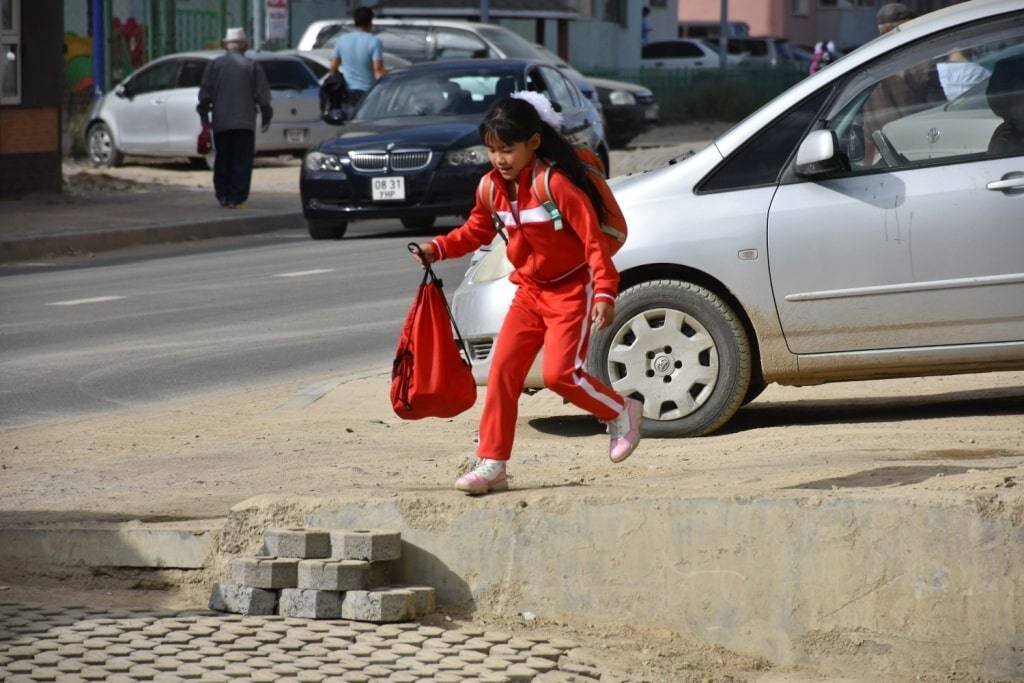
(153, 111)
(816, 241)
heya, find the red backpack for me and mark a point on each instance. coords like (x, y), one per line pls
(614, 226)
(430, 377)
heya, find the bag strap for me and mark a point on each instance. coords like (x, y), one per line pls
(485, 196)
(540, 184)
(431, 276)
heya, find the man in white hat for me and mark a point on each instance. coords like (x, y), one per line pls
(233, 87)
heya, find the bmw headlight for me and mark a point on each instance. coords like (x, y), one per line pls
(467, 156)
(621, 97)
(318, 161)
(493, 266)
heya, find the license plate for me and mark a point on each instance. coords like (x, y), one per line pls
(388, 188)
(296, 135)
(651, 113)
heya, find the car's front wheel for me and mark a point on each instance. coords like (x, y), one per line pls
(419, 222)
(681, 350)
(102, 149)
(326, 229)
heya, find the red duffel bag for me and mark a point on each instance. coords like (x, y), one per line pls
(430, 377)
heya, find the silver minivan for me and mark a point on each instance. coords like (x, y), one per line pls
(861, 225)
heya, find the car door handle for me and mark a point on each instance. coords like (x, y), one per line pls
(159, 101)
(701, 63)
(1011, 181)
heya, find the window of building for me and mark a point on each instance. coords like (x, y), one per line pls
(801, 8)
(10, 51)
(617, 11)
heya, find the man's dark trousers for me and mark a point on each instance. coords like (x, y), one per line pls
(232, 166)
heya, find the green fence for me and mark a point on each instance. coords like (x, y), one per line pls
(709, 94)
(196, 29)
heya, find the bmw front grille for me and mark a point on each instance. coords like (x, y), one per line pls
(403, 160)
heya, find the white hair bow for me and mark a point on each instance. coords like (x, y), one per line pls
(543, 106)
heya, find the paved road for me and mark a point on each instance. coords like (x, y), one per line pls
(76, 644)
(81, 336)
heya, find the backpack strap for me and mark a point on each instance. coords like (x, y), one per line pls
(485, 193)
(540, 184)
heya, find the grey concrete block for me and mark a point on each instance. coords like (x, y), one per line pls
(232, 597)
(379, 606)
(310, 604)
(297, 543)
(332, 575)
(380, 574)
(374, 545)
(424, 600)
(263, 572)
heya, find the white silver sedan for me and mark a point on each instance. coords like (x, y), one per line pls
(153, 111)
(792, 251)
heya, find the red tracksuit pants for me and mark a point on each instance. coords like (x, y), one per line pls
(556, 318)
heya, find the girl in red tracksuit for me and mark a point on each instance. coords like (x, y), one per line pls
(566, 282)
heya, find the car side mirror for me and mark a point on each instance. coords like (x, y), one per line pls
(122, 91)
(556, 106)
(819, 155)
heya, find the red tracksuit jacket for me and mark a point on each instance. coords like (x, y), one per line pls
(540, 254)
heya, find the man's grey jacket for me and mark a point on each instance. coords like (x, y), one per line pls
(233, 86)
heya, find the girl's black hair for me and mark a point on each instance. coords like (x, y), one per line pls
(512, 120)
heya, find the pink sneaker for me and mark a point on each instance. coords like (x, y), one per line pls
(624, 431)
(488, 475)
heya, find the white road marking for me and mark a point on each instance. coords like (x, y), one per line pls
(93, 300)
(303, 273)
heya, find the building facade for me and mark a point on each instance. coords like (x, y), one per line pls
(30, 97)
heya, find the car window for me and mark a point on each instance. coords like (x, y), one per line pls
(157, 77)
(437, 93)
(287, 74)
(684, 49)
(408, 42)
(318, 69)
(454, 44)
(191, 73)
(511, 45)
(955, 97)
(326, 36)
(654, 51)
(558, 89)
(760, 161)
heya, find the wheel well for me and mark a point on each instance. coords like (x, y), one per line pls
(674, 271)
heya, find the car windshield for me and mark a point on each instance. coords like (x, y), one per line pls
(511, 45)
(287, 74)
(436, 92)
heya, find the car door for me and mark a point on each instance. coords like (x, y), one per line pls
(182, 120)
(906, 249)
(141, 118)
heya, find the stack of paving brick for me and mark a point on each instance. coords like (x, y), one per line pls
(323, 574)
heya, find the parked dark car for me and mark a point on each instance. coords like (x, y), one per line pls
(412, 150)
(629, 109)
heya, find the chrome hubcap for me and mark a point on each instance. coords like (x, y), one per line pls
(665, 358)
(100, 145)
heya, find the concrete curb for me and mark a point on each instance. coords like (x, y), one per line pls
(872, 584)
(188, 545)
(28, 247)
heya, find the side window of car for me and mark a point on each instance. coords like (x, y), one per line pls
(558, 89)
(191, 73)
(654, 51)
(454, 44)
(407, 42)
(535, 83)
(160, 76)
(287, 74)
(955, 97)
(760, 161)
(687, 50)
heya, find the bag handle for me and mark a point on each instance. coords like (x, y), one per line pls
(430, 275)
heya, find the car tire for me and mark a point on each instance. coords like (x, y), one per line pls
(198, 163)
(327, 229)
(680, 349)
(419, 222)
(102, 148)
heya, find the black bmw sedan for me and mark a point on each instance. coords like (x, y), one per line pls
(411, 150)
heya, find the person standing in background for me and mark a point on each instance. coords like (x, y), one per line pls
(233, 87)
(645, 25)
(360, 56)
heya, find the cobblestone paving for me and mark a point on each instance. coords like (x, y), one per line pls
(72, 644)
